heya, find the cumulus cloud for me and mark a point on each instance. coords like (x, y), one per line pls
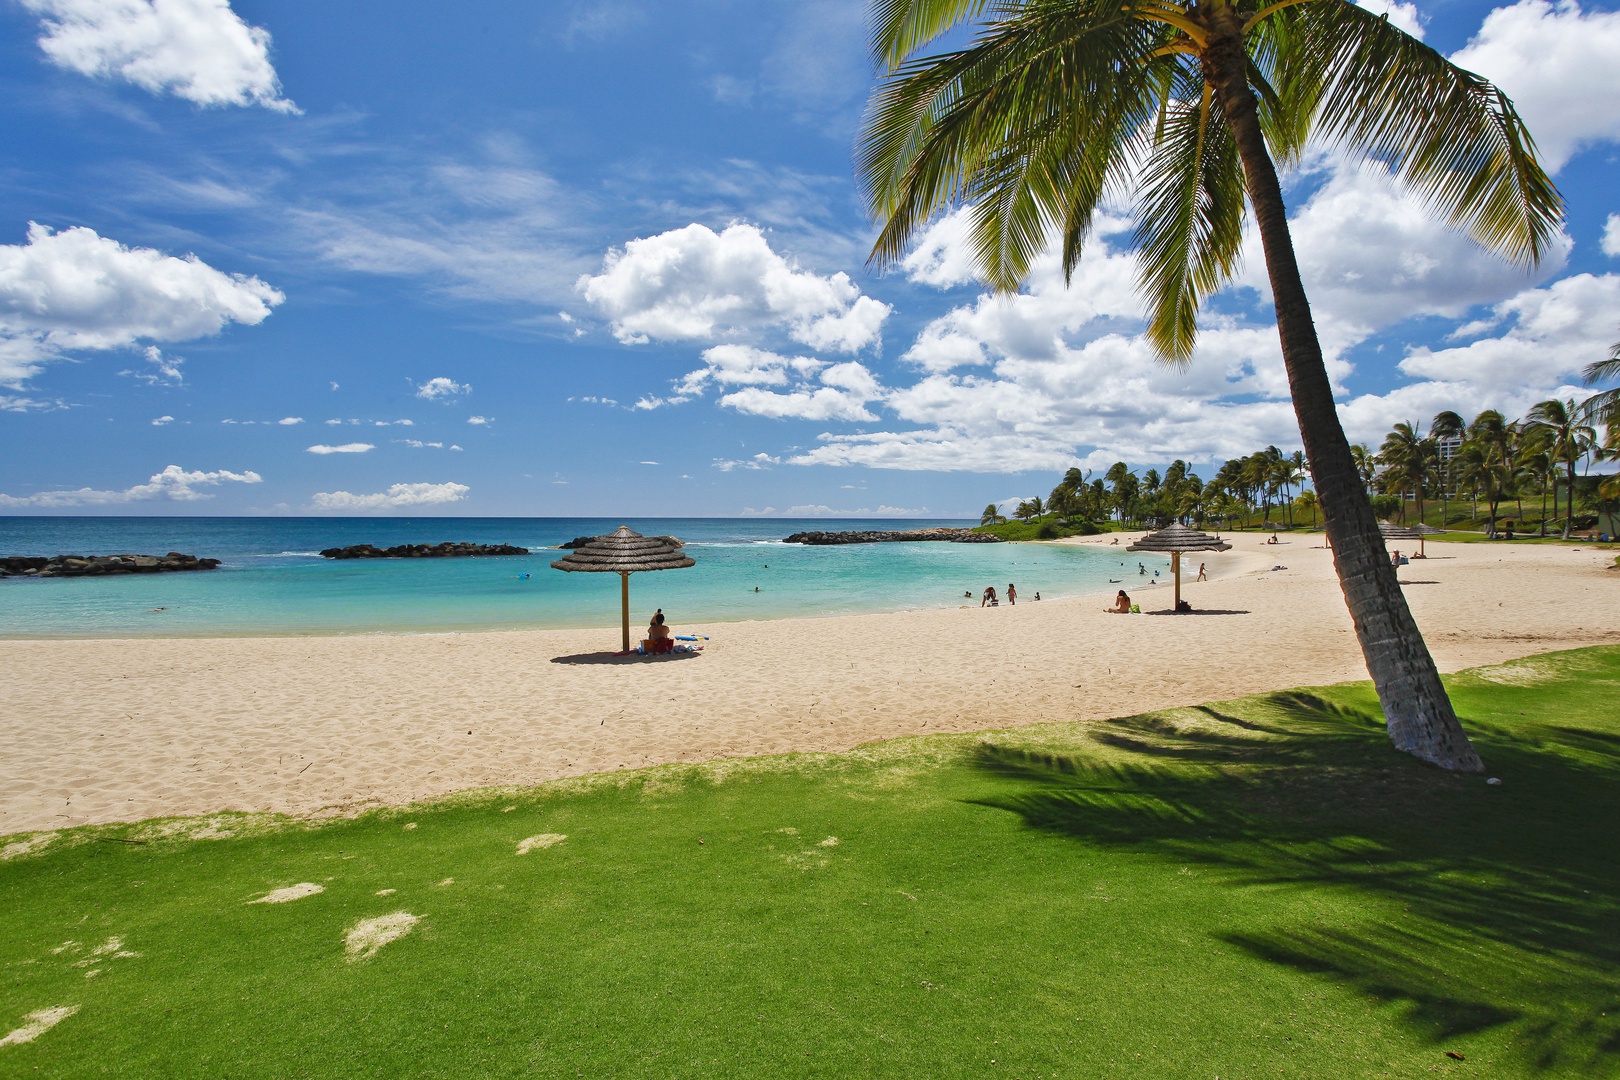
(289, 421)
(198, 50)
(480, 421)
(173, 483)
(1611, 236)
(346, 448)
(693, 284)
(396, 496)
(75, 289)
(435, 389)
(162, 420)
(1547, 58)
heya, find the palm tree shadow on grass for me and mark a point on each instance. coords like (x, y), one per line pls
(1510, 894)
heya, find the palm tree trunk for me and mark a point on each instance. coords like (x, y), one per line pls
(1420, 718)
(1569, 499)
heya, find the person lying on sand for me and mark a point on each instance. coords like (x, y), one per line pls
(1122, 605)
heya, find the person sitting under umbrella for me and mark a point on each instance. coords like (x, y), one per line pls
(659, 637)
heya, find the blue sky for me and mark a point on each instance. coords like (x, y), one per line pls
(600, 257)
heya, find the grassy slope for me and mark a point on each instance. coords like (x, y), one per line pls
(1255, 888)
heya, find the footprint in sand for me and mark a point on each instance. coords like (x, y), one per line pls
(38, 1023)
(367, 936)
(544, 840)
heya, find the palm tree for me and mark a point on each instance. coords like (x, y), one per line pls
(991, 516)
(1366, 465)
(1603, 407)
(1534, 462)
(1445, 427)
(1410, 461)
(1571, 440)
(1051, 105)
(1488, 461)
(1307, 501)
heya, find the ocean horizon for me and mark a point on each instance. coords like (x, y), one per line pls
(272, 579)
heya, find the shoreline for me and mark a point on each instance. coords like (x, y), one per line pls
(119, 729)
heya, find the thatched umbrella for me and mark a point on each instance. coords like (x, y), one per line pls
(1176, 539)
(624, 552)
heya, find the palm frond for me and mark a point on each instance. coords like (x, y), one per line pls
(1451, 135)
(1028, 123)
(901, 27)
(1190, 216)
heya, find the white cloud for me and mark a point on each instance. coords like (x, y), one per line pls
(441, 387)
(346, 448)
(165, 370)
(289, 421)
(76, 290)
(198, 50)
(162, 420)
(694, 284)
(845, 391)
(1611, 236)
(391, 423)
(820, 510)
(1553, 332)
(480, 421)
(173, 483)
(1553, 61)
(1403, 16)
(396, 495)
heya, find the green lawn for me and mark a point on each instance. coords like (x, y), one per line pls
(1258, 888)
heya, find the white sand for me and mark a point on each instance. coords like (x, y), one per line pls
(121, 730)
(537, 843)
(366, 937)
(290, 893)
(38, 1023)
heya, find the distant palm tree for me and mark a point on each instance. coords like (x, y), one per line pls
(1445, 427)
(1570, 441)
(991, 515)
(1488, 460)
(1366, 464)
(1534, 462)
(1047, 107)
(1603, 407)
(1307, 501)
(1410, 461)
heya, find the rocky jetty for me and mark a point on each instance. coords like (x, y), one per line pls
(581, 541)
(99, 565)
(446, 550)
(949, 536)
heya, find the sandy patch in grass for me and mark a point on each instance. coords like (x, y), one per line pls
(831, 841)
(1520, 673)
(26, 846)
(385, 892)
(38, 1023)
(544, 840)
(367, 936)
(290, 893)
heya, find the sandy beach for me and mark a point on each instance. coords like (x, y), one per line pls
(117, 730)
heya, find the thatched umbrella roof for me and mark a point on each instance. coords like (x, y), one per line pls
(1175, 539)
(624, 552)
(1393, 531)
(1178, 537)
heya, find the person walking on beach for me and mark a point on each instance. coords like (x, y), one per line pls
(989, 598)
(1202, 576)
(1012, 594)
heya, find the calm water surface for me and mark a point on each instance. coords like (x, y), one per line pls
(274, 582)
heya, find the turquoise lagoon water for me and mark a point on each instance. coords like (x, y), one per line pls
(272, 580)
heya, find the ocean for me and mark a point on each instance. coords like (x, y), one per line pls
(273, 581)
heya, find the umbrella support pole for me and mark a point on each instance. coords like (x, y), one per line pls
(624, 601)
(1175, 568)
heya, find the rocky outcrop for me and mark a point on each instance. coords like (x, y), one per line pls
(445, 550)
(949, 536)
(581, 541)
(100, 565)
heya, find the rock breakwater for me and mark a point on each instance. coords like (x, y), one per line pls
(949, 536)
(99, 565)
(445, 550)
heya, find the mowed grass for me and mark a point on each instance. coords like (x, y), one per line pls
(1258, 888)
